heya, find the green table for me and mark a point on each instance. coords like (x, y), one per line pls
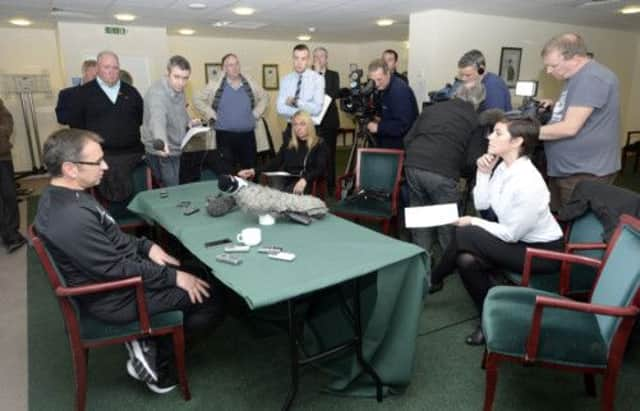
(328, 252)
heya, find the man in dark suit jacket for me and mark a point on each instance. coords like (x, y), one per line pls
(113, 110)
(66, 97)
(328, 129)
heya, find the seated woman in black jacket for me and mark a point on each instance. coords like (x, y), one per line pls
(303, 154)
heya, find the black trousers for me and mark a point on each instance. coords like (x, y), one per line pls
(476, 254)
(199, 318)
(9, 217)
(236, 149)
(330, 136)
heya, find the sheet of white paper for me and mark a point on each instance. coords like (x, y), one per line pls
(278, 174)
(325, 106)
(192, 132)
(430, 216)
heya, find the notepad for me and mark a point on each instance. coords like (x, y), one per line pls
(325, 106)
(193, 131)
(431, 216)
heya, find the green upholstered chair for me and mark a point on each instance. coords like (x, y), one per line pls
(141, 179)
(87, 332)
(377, 171)
(631, 148)
(583, 237)
(536, 327)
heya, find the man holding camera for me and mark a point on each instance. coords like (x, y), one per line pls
(398, 107)
(439, 147)
(581, 139)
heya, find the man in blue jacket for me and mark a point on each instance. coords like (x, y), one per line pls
(398, 109)
(472, 67)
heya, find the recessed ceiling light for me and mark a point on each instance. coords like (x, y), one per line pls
(197, 6)
(21, 22)
(221, 23)
(124, 17)
(243, 11)
(312, 29)
(385, 22)
(186, 32)
(304, 37)
(630, 10)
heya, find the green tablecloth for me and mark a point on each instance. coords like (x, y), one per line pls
(328, 252)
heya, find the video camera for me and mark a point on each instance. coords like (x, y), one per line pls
(530, 106)
(445, 93)
(357, 99)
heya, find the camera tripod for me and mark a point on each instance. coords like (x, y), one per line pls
(363, 138)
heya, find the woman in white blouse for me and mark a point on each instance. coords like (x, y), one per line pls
(519, 198)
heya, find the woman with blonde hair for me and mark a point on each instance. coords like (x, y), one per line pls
(303, 155)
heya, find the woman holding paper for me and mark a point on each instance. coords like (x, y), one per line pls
(303, 155)
(518, 196)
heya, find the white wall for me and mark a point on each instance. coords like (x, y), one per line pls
(438, 38)
(32, 51)
(144, 48)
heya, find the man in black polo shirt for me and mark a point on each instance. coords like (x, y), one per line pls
(113, 110)
(438, 147)
(88, 247)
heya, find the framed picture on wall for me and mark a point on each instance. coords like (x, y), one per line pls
(211, 71)
(270, 78)
(510, 58)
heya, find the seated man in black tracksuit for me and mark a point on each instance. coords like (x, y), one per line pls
(88, 247)
(441, 144)
(398, 107)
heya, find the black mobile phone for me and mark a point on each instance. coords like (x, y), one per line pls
(190, 211)
(217, 242)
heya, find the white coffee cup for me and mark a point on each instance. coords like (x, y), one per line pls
(266, 219)
(250, 236)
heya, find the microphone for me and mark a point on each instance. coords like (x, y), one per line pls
(157, 144)
(220, 205)
(259, 200)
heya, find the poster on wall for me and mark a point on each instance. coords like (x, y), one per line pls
(270, 79)
(510, 58)
(211, 71)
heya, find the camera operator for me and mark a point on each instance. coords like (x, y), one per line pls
(443, 142)
(581, 139)
(472, 67)
(398, 107)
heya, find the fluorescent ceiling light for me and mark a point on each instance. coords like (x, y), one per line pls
(197, 6)
(186, 32)
(221, 23)
(243, 11)
(385, 22)
(124, 17)
(630, 10)
(20, 22)
(304, 37)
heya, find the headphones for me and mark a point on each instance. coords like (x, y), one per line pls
(480, 68)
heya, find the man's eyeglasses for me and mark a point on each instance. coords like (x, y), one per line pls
(90, 163)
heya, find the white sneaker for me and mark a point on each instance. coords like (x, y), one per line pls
(163, 386)
(142, 354)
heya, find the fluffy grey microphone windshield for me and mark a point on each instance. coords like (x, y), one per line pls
(259, 200)
(220, 205)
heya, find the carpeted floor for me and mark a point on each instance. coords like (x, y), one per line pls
(239, 369)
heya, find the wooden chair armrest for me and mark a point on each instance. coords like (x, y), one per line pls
(143, 313)
(553, 255)
(542, 301)
(571, 247)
